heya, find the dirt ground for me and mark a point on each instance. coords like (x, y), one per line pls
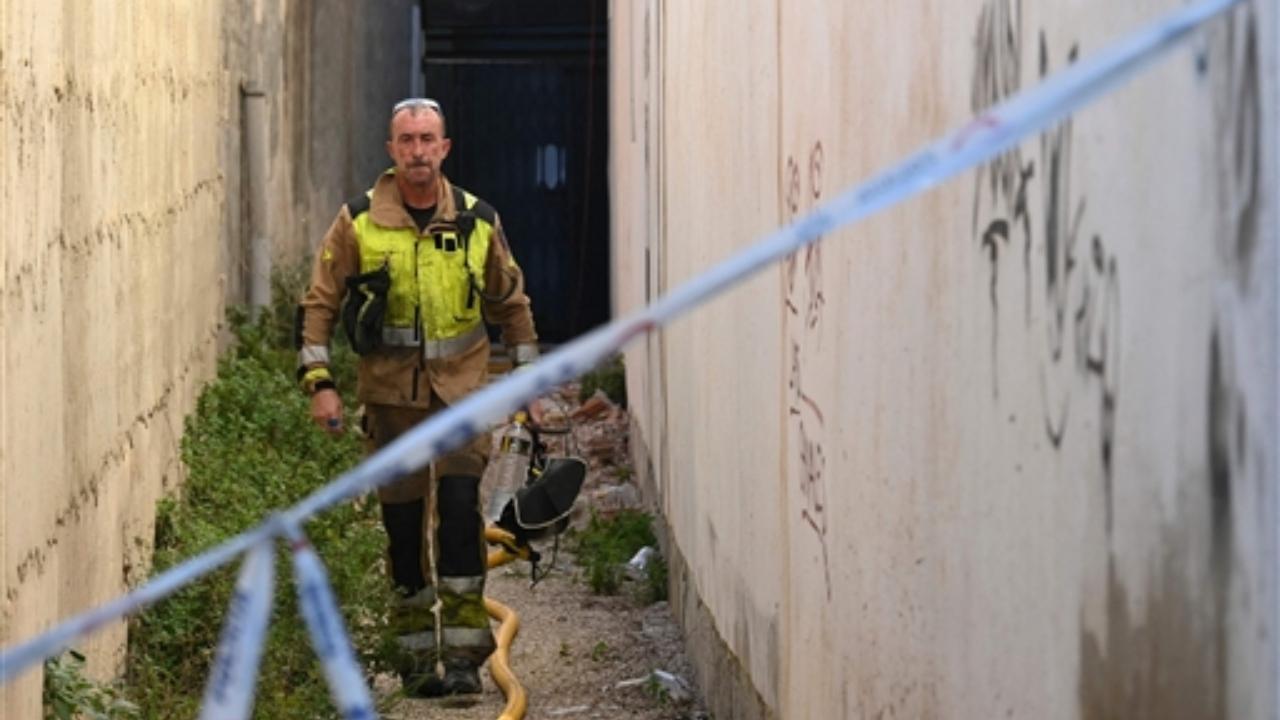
(578, 655)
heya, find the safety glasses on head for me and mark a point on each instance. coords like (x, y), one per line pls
(418, 102)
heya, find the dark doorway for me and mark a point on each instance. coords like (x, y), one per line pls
(524, 89)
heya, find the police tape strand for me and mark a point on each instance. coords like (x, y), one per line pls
(328, 632)
(987, 135)
(16, 659)
(229, 693)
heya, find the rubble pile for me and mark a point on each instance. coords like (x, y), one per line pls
(595, 430)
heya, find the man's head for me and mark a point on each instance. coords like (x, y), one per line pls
(416, 141)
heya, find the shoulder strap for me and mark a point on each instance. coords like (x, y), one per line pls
(359, 204)
(466, 217)
(478, 208)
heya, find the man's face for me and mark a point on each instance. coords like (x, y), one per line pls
(418, 145)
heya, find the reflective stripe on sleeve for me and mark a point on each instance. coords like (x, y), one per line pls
(524, 353)
(312, 355)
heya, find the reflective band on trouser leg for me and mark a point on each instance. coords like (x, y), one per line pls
(454, 637)
(461, 568)
(466, 631)
(434, 349)
(414, 624)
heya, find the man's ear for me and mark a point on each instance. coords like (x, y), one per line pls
(447, 144)
(390, 154)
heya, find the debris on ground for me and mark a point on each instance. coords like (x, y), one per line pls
(577, 653)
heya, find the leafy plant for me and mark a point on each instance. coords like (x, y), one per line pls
(606, 544)
(611, 377)
(69, 695)
(656, 690)
(600, 651)
(655, 576)
(250, 449)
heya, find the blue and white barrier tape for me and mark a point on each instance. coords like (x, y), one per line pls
(16, 659)
(992, 132)
(328, 631)
(229, 694)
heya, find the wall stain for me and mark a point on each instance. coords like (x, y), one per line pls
(1166, 661)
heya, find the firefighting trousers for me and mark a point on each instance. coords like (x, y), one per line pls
(435, 530)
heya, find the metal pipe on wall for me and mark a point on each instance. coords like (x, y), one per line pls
(417, 82)
(254, 131)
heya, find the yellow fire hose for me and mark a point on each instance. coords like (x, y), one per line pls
(499, 662)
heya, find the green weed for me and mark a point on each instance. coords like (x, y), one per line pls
(600, 651)
(611, 377)
(69, 695)
(655, 580)
(605, 545)
(251, 448)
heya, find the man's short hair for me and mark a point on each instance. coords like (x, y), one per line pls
(414, 106)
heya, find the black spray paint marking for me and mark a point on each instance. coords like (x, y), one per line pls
(1238, 119)
(1003, 182)
(804, 302)
(1015, 204)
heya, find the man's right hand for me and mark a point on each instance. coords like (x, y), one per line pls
(326, 410)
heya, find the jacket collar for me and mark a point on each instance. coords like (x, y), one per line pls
(387, 206)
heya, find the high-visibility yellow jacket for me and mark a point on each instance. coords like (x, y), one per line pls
(445, 282)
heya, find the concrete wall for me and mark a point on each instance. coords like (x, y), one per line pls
(116, 260)
(123, 174)
(1007, 450)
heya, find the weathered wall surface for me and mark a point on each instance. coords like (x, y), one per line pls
(123, 180)
(1007, 450)
(116, 260)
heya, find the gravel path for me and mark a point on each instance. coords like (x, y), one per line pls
(578, 655)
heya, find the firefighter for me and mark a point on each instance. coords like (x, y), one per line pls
(412, 269)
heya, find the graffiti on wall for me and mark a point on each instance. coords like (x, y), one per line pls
(804, 304)
(1234, 451)
(1024, 201)
(1237, 110)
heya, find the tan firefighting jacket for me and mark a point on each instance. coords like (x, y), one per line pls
(407, 376)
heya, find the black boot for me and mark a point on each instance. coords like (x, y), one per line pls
(460, 678)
